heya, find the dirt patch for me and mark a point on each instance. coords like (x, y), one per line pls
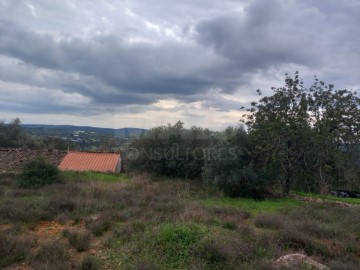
(20, 267)
(5, 227)
(298, 261)
(49, 228)
(318, 200)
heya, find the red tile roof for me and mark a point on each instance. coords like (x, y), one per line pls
(86, 161)
(13, 159)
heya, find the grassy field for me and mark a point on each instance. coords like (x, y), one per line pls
(95, 221)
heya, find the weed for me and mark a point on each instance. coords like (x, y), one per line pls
(79, 240)
(336, 265)
(230, 225)
(99, 225)
(61, 205)
(90, 263)
(254, 206)
(94, 176)
(52, 255)
(127, 230)
(145, 265)
(172, 225)
(292, 238)
(176, 240)
(12, 250)
(270, 221)
(316, 229)
(218, 250)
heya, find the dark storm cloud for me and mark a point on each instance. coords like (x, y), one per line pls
(183, 50)
(263, 36)
(274, 33)
(129, 69)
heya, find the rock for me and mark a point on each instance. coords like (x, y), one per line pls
(94, 217)
(296, 260)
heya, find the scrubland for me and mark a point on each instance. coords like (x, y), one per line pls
(92, 221)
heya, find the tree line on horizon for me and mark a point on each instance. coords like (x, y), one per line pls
(298, 138)
(13, 135)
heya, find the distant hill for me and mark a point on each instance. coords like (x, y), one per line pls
(66, 129)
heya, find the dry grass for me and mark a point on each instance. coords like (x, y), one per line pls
(270, 221)
(146, 224)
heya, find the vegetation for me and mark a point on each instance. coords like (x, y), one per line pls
(37, 173)
(13, 135)
(306, 138)
(298, 138)
(228, 165)
(170, 150)
(176, 209)
(328, 197)
(251, 205)
(165, 224)
(70, 175)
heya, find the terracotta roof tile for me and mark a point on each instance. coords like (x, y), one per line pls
(12, 159)
(86, 161)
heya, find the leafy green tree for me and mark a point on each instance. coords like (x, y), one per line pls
(304, 137)
(228, 165)
(13, 135)
(169, 150)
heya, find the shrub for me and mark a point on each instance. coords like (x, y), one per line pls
(226, 249)
(317, 229)
(90, 263)
(61, 205)
(230, 225)
(37, 173)
(271, 221)
(52, 255)
(127, 230)
(176, 241)
(145, 265)
(99, 225)
(12, 250)
(79, 240)
(292, 238)
(20, 210)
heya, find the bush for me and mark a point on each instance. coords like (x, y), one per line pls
(176, 240)
(52, 253)
(12, 250)
(270, 221)
(228, 165)
(79, 240)
(37, 173)
(226, 249)
(99, 225)
(90, 263)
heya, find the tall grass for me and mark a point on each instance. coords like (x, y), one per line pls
(168, 224)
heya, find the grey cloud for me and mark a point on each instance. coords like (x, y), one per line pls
(259, 38)
(133, 68)
(235, 40)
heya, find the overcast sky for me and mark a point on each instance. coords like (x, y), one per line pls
(138, 63)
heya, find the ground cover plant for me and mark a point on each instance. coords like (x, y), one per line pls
(146, 223)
